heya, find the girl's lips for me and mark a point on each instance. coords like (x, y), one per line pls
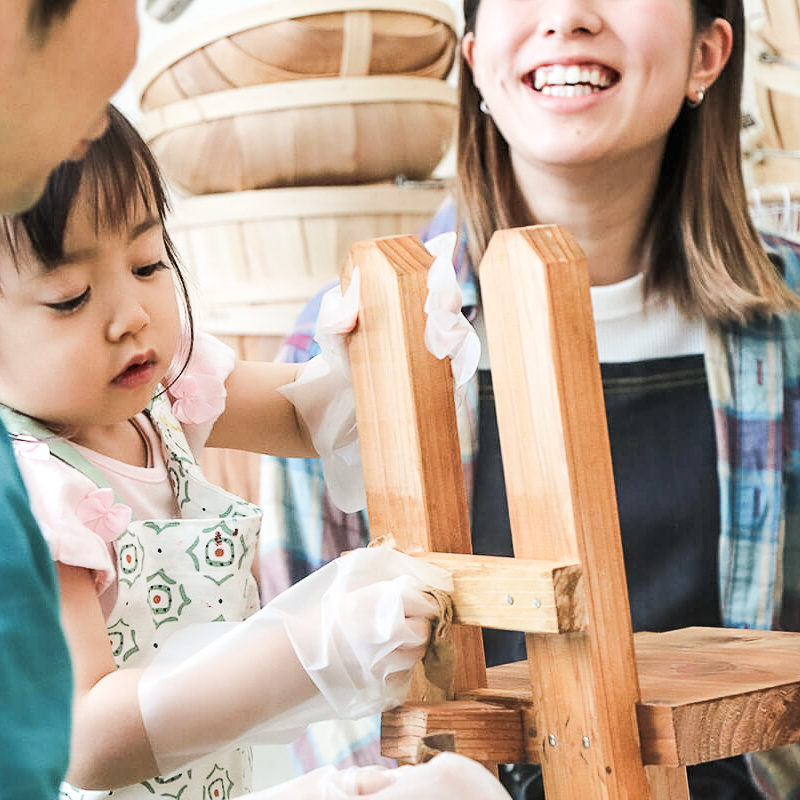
(138, 371)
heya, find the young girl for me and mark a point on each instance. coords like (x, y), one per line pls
(620, 120)
(108, 405)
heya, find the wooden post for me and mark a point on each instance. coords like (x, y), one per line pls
(557, 464)
(406, 418)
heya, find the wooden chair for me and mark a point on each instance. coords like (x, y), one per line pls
(607, 714)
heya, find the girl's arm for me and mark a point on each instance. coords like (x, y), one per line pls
(109, 746)
(257, 417)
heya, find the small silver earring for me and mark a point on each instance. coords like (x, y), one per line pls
(483, 107)
(701, 93)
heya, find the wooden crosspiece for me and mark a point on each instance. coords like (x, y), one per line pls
(608, 715)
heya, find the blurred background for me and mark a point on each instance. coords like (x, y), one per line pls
(288, 129)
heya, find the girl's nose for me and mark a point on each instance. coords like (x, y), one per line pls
(569, 18)
(128, 318)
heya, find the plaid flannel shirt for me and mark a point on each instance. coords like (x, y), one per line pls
(754, 383)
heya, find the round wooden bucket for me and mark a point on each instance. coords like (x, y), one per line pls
(328, 131)
(299, 39)
(782, 27)
(255, 258)
(777, 90)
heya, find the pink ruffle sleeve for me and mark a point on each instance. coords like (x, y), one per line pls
(198, 396)
(78, 521)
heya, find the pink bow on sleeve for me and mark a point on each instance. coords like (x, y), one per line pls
(197, 398)
(98, 512)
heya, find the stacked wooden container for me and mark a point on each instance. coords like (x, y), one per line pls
(283, 129)
(773, 156)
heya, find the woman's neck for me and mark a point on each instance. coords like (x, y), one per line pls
(604, 207)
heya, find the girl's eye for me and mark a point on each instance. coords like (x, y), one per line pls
(73, 304)
(150, 269)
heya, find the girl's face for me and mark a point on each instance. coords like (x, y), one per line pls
(84, 344)
(575, 82)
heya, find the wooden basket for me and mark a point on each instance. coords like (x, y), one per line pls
(329, 131)
(777, 90)
(782, 27)
(256, 258)
(299, 39)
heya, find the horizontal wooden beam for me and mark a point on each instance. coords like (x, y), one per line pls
(515, 594)
(484, 732)
(707, 693)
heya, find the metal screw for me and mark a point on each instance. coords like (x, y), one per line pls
(586, 742)
(552, 740)
(510, 599)
(533, 733)
(537, 603)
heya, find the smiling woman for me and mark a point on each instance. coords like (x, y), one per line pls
(619, 120)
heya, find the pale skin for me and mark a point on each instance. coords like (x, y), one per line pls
(593, 162)
(54, 91)
(66, 337)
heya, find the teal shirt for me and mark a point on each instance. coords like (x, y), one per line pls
(35, 671)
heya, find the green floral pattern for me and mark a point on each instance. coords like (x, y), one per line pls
(173, 573)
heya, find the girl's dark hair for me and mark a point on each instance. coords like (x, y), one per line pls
(43, 13)
(700, 245)
(120, 175)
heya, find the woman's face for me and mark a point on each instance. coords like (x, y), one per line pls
(578, 82)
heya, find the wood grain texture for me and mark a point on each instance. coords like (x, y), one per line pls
(296, 40)
(668, 783)
(487, 733)
(323, 132)
(256, 258)
(406, 417)
(557, 464)
(514, 594)
(782, 29)
(707, 693)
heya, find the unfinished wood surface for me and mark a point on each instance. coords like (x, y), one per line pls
(256, 258)
(782, 29)
(406, 418)
(562, 504)
(707, 693)
(296, 39)
(710, 692)
(514, 594)
(668, 783)
(487, 733)
(325, 131)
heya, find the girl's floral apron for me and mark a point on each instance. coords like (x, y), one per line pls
(173, 573)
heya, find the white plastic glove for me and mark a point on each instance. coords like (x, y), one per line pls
(339, 644)
(323, 396)
(329, 783)
(447, 330)
(446, 776)
(323, 393)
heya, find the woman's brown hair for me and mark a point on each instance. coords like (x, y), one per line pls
(700, 245)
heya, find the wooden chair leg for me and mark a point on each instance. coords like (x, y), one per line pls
(668, 783)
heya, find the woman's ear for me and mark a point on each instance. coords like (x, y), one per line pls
(467, 48)
(712, 49)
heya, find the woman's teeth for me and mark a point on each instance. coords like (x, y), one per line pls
(574, 80)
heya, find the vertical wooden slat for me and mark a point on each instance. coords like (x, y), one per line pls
(557, 464)
(668, 783)
(406, 418)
